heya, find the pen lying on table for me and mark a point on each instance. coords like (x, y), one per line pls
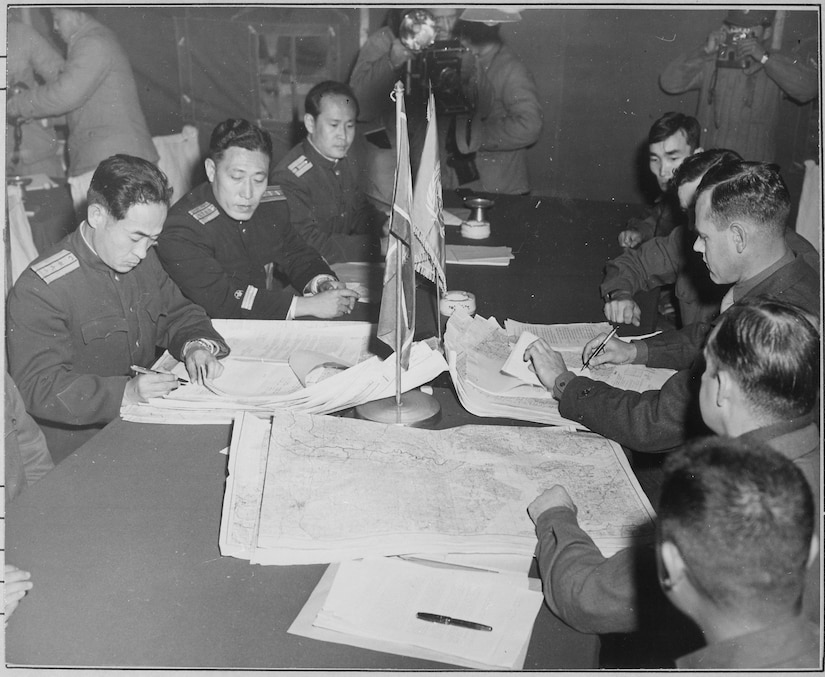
(447, 620)
(600, 347)
(144, 370)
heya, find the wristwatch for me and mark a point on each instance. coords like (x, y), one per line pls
(765, 58)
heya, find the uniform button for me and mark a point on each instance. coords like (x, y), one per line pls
(117, 277)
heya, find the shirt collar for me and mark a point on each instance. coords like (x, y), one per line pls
(740, 289)
(331, 161)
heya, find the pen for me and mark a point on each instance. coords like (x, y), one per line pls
(600, 347)
(144, 370)
(447, 620)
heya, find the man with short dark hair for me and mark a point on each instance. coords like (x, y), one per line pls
(742, 81)
(736, 536)
(741, 211)
(761, 385)
(222, 239)
(320, 180)
(99, 302)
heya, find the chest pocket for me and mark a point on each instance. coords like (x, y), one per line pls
(103, 328)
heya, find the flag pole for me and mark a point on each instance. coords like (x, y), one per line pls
(399, 320)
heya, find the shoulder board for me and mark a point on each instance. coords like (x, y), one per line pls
(204, 212)
(300, 165)
(56, 266)
(273, 194)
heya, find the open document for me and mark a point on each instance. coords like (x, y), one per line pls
(317, 367)
(491, 378)
(314, 489)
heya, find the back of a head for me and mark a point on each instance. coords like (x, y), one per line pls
(239, 133)
(312, 103)
(751, 191)
(695, 166)
(742, 517)
(122, 181)
(671, 123)
(772, 351)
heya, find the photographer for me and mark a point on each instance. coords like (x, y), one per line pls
(507, 120)
(741, 82)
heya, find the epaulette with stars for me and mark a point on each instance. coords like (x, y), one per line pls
(204, 212)
(56, 266)
(300, 165)
(273, 194)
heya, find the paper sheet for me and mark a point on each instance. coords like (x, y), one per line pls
(379, 598)
(478, 255)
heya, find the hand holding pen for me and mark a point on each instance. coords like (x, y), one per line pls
(606, 349)
(147, 384)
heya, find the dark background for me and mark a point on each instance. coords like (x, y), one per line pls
(596, 69)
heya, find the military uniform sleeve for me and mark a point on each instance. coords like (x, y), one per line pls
(652, 421)
(685, 72)
(45, 59)
(40, 360)
(81, 76)
(298, 260)
(677, 348)
(521, 123)
(588, 591)
(184, 321)
(652, 264)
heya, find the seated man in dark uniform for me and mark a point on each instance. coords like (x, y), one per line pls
(222, 239)
(99, 302)
(320, 180)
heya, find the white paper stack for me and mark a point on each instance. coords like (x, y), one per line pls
(478, 255)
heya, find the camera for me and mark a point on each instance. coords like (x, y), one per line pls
(445, 66)
(726, 54)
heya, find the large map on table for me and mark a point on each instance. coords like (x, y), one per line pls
(323, 489)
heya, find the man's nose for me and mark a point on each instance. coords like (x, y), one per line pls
(246, 189)
(697, 245)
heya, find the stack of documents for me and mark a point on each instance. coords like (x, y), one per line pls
(374, 604)
(491, 379)
(478, 255)
(317, 367)
(312, 489)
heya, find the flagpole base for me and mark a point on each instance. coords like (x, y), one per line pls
(417, 410)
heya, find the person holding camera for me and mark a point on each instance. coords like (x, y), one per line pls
(741, 81)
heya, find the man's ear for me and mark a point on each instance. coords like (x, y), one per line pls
(209, 166)
(814, 551)
(739, 236)
(309, 123)
(673, 564)
(725, 388)
(96, 215)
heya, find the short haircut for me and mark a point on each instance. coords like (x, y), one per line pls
(122, 181)
(742, 517)
(670, 123)
(750, 190)
(695, 166)
(241, 134)
(312, 103)
(771, 349)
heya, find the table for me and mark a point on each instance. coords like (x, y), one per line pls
(122, 537)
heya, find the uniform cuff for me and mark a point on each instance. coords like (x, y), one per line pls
(561, 383)
(317, 284)
(290, 314)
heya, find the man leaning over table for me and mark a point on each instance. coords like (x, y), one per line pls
(99, 302)
(760, 386)
(741, 214)
(223, 237)
(320, 180)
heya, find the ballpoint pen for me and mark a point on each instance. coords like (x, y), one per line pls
(144, 370)
(600, 347)
(448, 620)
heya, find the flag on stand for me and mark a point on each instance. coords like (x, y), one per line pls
(427, 206)
(396, 321)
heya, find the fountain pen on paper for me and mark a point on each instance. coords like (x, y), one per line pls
(143, 370)
(600, 347)
(447, 620)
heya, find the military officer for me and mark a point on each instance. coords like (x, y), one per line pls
(221, 239)
(99, 302)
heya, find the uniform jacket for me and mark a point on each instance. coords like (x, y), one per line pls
(326, 205)
(659, 420)
(219, 262)
(97, 92)
(595, 594)
(75, 326)
(507, 121)
(741, 111)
